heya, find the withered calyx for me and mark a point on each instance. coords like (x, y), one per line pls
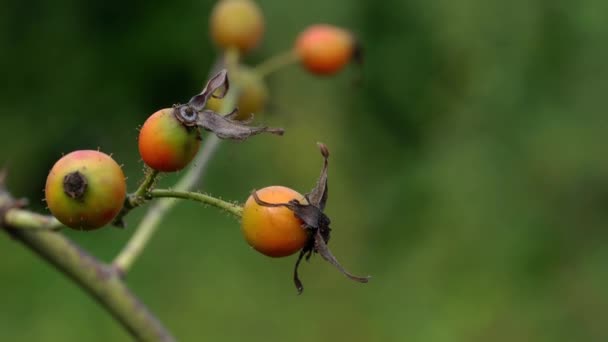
(315, 221)
(224, 126)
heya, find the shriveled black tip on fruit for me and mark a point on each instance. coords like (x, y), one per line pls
(186, 115)
(75, 185)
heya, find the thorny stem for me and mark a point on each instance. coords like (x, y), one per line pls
(275, 63)
(158, 210)
(231, 208)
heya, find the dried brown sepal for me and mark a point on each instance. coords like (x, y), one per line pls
(312, 216)
(318, 195)
(193, 113)
(235, 113)
(322, 248)
(226, 128)
(314, 220)
(219, 81)
(296, 278)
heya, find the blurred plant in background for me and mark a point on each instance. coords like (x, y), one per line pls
(86, 189)
(468, 176)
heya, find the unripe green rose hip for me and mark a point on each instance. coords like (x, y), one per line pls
(85, 189)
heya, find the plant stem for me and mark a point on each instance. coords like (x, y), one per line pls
(231, 208)
(158, 210)
(231, 61)
(27, 220)
(137, 198)
(140, 194)
(101, 281)
(275, 63)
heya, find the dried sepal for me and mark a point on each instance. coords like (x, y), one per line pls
(311, 216)
(296, 278)
(235, 113)
(322, 248)
(226, 128)
(315, 221)
(318, 195)
(219, 81)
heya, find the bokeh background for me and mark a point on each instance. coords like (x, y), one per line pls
(469, 173)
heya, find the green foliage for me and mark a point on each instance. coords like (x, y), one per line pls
(469, 174)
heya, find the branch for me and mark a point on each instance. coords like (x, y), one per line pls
(27, 220)
(276, 63)
(101, 281)
(231, 208)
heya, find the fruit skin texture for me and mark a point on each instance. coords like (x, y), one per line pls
(252, 98)
(103, 197)
(237, 23)
(165, 144)
(275, 232)
(325, 49)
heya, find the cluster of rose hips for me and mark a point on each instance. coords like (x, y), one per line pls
(86, 189)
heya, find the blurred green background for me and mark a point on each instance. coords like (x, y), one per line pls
(468, 175)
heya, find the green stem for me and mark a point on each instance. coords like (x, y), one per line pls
(151, 221)
(231, 208)
(140, 194)
(231, 61)
(137, 198)
(27, 220)
(101, 281)
(275, 63)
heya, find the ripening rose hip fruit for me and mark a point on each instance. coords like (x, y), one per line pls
(85, 189)
(275, 232)
(252, 98)
(165, 144)
(237, 23)
(325, 49)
